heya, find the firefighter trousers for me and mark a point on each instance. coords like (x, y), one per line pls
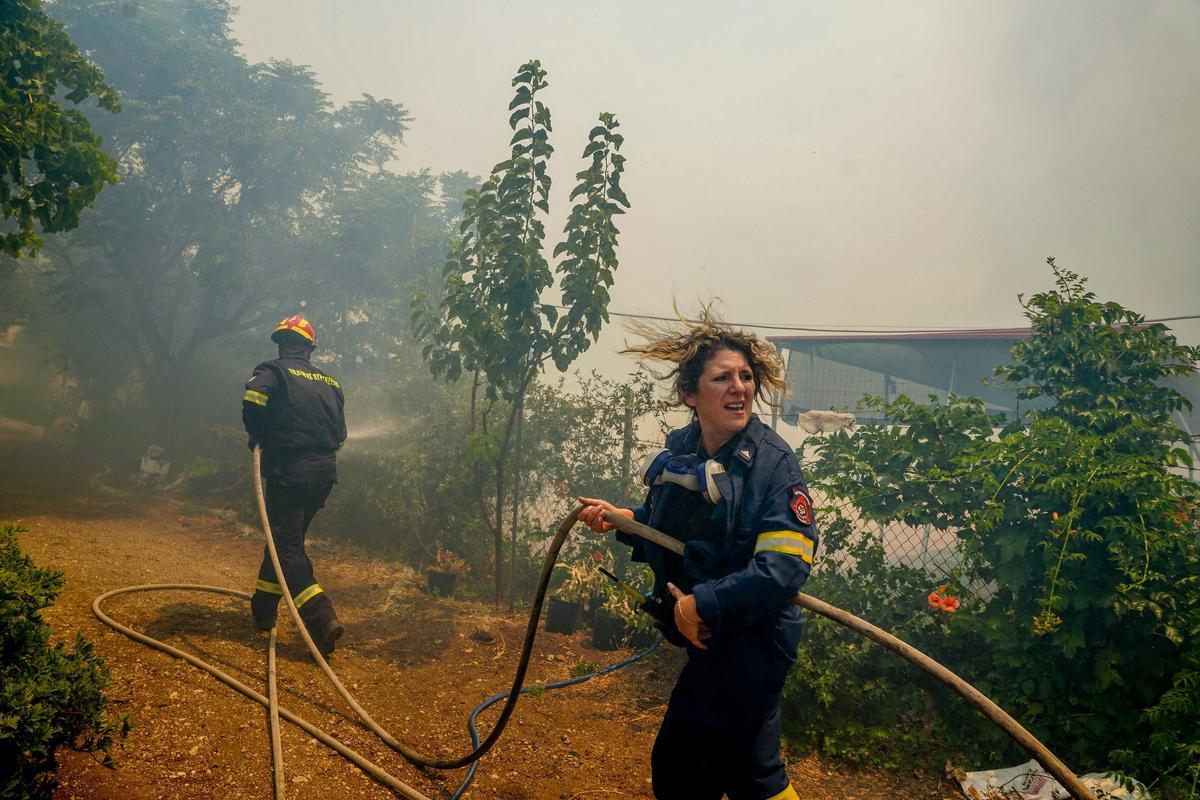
(706, 760)
(292, 502)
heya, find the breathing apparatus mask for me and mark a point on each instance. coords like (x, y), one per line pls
(687, 471)
(695, 475)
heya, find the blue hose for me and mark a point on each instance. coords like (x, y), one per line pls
(540, 687)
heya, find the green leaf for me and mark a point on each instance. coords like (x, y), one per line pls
(521, 97)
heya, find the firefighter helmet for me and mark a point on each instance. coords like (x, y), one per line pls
(294, 326)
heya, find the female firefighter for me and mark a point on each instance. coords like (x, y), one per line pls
(732, 490)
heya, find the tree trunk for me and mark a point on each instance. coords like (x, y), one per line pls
(516, 504)
(627, 447)
(498, 533)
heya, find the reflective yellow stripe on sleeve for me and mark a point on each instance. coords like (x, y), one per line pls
(268, 587)
(790, 542)
(308, 594)
(258, 398)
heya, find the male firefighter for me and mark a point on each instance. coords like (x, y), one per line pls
(295, 413)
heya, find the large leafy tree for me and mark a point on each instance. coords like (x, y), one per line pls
(381, 244)
(222, 221)
(1081, 602)
(493, 322)
(51, 163)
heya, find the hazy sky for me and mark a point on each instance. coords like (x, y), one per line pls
(833, 163)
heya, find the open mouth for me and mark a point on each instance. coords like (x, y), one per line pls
(737, 408)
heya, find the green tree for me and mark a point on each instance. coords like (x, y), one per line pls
(492, 322)
(51, 163)
(454, 188)
(380, 245)
(239, 203)
(1079, 539)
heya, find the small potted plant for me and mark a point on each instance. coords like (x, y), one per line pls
(620, 620)
(640, 631)
(583, 582)
(608, 623)
(442, 575)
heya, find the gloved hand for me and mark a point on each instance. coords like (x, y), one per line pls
(687, 471)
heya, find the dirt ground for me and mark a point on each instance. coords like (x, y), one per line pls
(418, 664)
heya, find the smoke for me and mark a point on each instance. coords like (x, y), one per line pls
(372, 429)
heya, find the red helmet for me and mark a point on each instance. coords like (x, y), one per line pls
(297, 325)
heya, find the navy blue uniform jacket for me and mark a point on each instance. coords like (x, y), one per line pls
(745, 557)
(297, 413)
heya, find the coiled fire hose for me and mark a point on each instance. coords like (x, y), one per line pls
(277, 711)
(973, 696)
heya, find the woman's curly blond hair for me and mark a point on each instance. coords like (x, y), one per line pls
(688, 345)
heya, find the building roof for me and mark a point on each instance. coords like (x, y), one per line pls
(1008, 334)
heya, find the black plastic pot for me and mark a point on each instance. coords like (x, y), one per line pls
(642, 639)
(608, 632)
(562, 616)
(441, 583)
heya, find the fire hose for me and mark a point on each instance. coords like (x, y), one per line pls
(973, 696)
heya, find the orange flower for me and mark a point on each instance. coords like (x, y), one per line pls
(940, 601)
(1045, 623)
(1054, 516)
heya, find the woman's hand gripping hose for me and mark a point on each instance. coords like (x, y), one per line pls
(999, 716)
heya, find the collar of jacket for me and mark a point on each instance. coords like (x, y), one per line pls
(745, 442)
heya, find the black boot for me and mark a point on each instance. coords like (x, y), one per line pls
(327, 636)
(263, 610)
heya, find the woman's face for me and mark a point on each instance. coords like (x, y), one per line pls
(723, 398)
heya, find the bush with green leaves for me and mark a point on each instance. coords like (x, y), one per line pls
(1077, 529)
(52, 696)
(411, 488)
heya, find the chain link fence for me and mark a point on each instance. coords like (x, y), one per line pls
(922, 546)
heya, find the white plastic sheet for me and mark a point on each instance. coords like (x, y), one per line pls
(1030, 782)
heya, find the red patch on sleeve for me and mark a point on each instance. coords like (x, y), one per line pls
(802, 506)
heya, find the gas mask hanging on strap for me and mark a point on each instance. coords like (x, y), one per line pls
(687, 471)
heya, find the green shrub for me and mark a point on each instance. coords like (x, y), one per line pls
(51, 695)
(857, 701)
(1078, 527)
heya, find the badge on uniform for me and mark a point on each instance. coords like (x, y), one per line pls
(802, 506)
